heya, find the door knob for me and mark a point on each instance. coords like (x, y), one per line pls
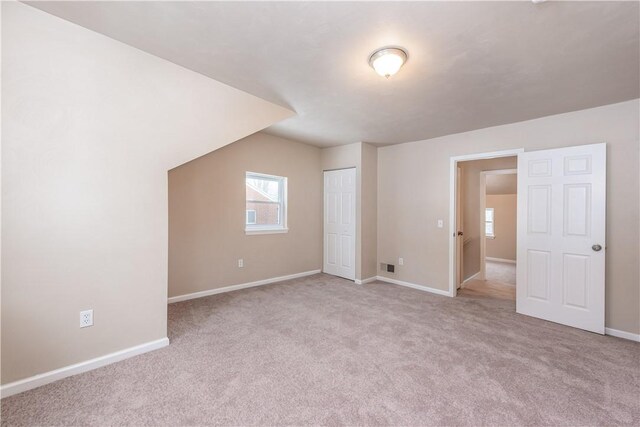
(460, 233)
(596, 248)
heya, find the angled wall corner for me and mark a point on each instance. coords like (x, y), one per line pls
(90, 128)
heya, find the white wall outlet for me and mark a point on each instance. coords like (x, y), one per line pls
(240, 263)
(440, 223)
(400, 261)
(86, 318)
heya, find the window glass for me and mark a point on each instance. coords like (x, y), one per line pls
(265, 202)
(489, 223)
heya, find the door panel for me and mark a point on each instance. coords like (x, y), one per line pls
(538, 275)
(339, 223)
(561, 223)
(539, 209)
(577, 204)
(576, 280)
(345, 247)
(332, 249)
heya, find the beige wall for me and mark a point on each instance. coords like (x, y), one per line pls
(207, 216)
(363, 157)
(90, 128)
(502, 183)
(471, 207)
(407, 219)
(505, 213)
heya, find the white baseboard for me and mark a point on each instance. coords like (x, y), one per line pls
(622, 334)
(19, 386)
(509, 261)
(240, 286)
(414, 286)
(465, 281)
(365, 281)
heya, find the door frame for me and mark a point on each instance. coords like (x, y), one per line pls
(453, 184)
(459, 226)
(483, 206)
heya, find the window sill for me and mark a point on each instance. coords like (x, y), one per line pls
(251, 231)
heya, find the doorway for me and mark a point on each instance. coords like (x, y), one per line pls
(561, 233)
(478, 226)
(340, 223)
(466, 218)
(498, 228)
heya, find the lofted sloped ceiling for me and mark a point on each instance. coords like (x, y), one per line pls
(471, 64)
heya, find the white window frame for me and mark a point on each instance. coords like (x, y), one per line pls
(254, 216)
(493, 223)
(282, 197)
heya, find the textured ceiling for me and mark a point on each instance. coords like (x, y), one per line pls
(471, 64)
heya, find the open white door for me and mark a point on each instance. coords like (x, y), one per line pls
(561, 235)
(340, 223)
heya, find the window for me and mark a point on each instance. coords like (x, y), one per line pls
(251, 216)
(488, 223)
(266, 203)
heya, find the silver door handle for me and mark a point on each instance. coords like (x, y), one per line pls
(596, 248)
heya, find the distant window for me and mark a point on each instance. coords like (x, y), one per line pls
(266, 203)
(489, 225)
(251, 217)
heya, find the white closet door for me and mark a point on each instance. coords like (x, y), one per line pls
(340, 223)
(561, 235)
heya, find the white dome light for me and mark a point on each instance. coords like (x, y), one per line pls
(388, 60)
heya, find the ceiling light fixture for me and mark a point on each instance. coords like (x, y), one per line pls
(386, 61)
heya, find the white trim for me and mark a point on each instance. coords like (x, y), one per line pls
(509, 261)
(622, 334)
(414, 286)
(247, 216)
(240, 286)
(254, 231)
(452, 205)
(365, 281)
(48, 377)
(467, 280)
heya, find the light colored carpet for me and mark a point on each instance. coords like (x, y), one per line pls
(502, 272)
(324, 351)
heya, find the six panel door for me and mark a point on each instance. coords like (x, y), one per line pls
(340, 223)
(561, 235)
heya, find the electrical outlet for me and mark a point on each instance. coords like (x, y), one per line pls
(240, 263)
(400, 261)
(440, 223)
(86, 318)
